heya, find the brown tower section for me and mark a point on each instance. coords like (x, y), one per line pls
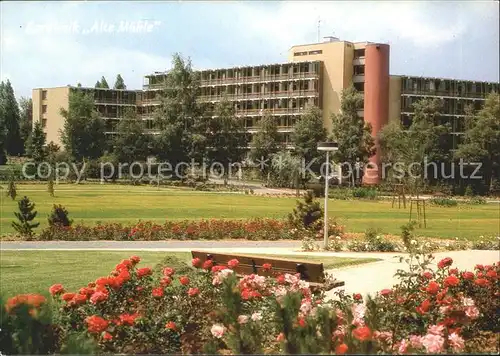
(376, 106)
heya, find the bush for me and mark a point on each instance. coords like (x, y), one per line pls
(446, 202)
(26, 214)
(59, 217)
(476, 200)
(213, 229)
(306, 213)
(486, 244)
(365, 193)
(340, 194)
(11, 190)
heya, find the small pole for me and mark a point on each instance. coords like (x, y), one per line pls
(325, 238)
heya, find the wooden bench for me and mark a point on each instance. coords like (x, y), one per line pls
(250, 264)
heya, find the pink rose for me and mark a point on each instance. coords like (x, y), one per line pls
(218, 330)
(433, 343)
(242, 319)
(456, 342)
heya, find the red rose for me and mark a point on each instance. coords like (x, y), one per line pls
(207, 264)
(479, 267)
(56, 289)
(68, 296)
(170, 325)
(142, 272)
(427, 275)
(184, 280)
(135, 259)
(280, 279)
(78, 299)
(341, 349)
(196, 262)
(165, 281)
(451, 281)
(193, 292)
(246, 294)
(233, 263)
(432, 288)
(302, 323)
(357, 296)
(107, 336)
(266, 266)
(362, 333)
(453, 271)
(445, 262)
(98, 297)
(280, 337)
(218, 268)
(468, 275)
(481, 282)
(157, 292)
(491, 273)
(96, 324)
(128, 319)
(102, 281)
(168, 272)
(386, 292)
(424, 307)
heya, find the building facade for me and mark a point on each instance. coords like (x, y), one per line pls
(314, 75)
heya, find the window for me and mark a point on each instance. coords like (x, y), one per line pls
(296, 54)
(316, 52)
(44, 122)
(359, 86)
(44, 109)
(359, 70)
(44, 94)
(359, 53)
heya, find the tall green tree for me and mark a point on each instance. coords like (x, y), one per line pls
(97, 84)
(104, 83)
(26, 105)
(265, 143)
(119, 83)
(349, 130)
(25, 216)
(424, 141)
(179, 116)
(482, 139)
(308, 131)
(131, 143)
(83, 131)
(3, 131)
(11, 119)
(35, 147)
(225, 137)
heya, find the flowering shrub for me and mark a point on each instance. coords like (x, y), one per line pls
(487, 244)
(207, 308)
(213, 229)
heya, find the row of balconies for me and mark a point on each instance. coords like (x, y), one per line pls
(442, 93)
(249, 96)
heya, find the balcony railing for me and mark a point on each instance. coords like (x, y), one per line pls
(430, 92)
(115, 101)
(261, 78)
(268, 95)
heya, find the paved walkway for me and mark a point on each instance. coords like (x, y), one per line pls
(367, 278)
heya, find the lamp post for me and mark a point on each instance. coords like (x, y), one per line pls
(327, 147)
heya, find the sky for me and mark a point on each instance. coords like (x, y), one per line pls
(48, 44)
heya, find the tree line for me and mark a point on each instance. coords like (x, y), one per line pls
(187, 129)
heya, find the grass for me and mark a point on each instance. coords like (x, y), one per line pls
(93, 203)
(36, 271)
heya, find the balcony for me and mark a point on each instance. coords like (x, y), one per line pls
(360, 78)
(102, 101)
(259, 96)
(358, 61)
(442, 93)
(259, 79)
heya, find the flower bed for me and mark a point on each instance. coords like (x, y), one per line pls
(213, 229)
(208, 309)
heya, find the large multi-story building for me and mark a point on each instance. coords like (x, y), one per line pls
(314, 75)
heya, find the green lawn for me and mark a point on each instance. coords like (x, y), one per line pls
(128, 204)
(36, 271)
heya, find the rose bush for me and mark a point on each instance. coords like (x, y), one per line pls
(213, 229)
(208, 308)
